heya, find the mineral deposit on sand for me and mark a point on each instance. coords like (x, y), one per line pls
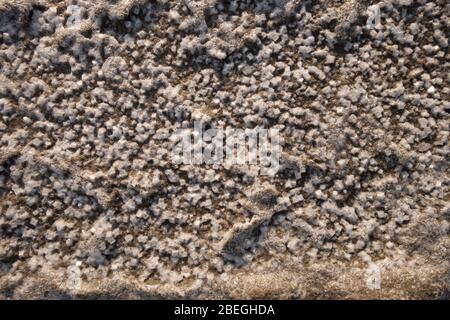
(91, 204)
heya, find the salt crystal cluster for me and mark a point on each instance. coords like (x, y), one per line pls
(91, 93)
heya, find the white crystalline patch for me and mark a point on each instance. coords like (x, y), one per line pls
(77, 15)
